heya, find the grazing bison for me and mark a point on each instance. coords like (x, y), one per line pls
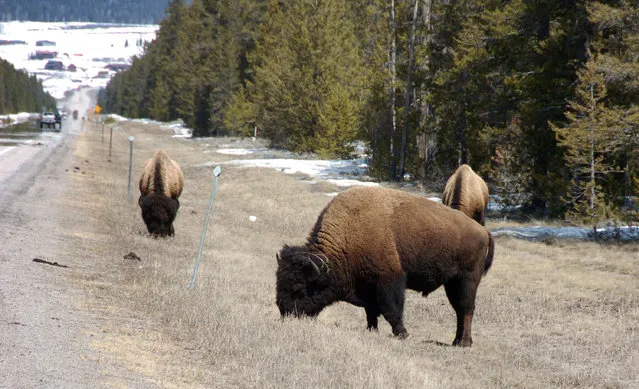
(160, 186)
(370, 244)
(467, 192)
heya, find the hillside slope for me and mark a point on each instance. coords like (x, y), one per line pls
(109, 11)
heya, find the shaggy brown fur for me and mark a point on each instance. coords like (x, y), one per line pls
(369, 244)
(467, 192)
(161, 184)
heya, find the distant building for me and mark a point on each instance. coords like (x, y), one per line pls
(102, 74)
(45, 43)
(43, 54)
(54, 65)
(116, 67)
(4, 42)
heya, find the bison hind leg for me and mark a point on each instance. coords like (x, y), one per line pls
(461, 295)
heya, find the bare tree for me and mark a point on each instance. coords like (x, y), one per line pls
(393, 75)
(409, 89)
(426, 140)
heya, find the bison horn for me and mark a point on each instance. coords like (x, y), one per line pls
(324, 264)
(317, 270)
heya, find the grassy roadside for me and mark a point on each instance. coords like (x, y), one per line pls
(547, 316)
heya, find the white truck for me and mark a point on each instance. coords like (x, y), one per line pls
(50, 119)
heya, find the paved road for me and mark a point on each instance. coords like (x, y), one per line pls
(14, 157)
(45, 335)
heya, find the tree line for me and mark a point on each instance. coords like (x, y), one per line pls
(20, 92)
(538, 97)
(105, 11)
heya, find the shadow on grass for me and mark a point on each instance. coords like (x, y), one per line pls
(437, 343)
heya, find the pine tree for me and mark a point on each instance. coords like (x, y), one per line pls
(168, 54)
(306, 49)
(372, 26)
(20, 92)
(594, 132)
(511, 60)
(614, 39)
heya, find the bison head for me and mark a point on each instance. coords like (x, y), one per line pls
(304, 282)
(158, 213)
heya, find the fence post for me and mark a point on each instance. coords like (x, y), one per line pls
(110, 143)
(128, 194)
(216, 173)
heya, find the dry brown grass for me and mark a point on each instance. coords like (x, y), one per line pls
(563, 316)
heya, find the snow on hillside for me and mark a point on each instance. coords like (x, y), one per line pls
(89, 47)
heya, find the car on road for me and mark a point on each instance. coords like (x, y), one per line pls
(50, 119)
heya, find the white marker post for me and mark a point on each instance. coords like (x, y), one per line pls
(128, 195)
(216, 173)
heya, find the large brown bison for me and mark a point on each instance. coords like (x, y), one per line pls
(370, 244)
(467, 192)
(161, 184)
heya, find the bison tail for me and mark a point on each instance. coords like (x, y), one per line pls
(491, 252)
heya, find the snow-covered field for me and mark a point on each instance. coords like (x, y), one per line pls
(87, 46)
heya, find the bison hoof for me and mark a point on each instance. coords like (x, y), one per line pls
(463, 342)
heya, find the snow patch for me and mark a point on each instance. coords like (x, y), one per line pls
(338, 172)
(240, 151)
(11, 119)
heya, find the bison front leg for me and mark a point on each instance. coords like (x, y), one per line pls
(461, 294)
(372, 312)
(390, 297)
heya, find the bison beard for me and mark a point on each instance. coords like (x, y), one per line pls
(161, 184)
(158, 213)
(370, 244)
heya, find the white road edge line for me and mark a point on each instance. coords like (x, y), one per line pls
(8, 148)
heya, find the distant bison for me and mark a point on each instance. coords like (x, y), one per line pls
(161, 184)
(467, 192)
(370, 244)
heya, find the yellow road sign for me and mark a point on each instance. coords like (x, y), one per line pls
(98, 109)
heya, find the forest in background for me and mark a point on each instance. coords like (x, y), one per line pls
(103, 11)
(538, 97)
(20, 92)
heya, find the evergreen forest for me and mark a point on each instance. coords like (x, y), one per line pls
(20, 92)
(103, 11)
(539, 97)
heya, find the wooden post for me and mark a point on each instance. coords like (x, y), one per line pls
(110, 142)
(128, 193)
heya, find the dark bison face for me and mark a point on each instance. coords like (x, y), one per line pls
(304, 285)
(158, 213)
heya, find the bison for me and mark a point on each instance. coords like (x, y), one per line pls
(467, 192)
(370, 244)
(161, 184)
